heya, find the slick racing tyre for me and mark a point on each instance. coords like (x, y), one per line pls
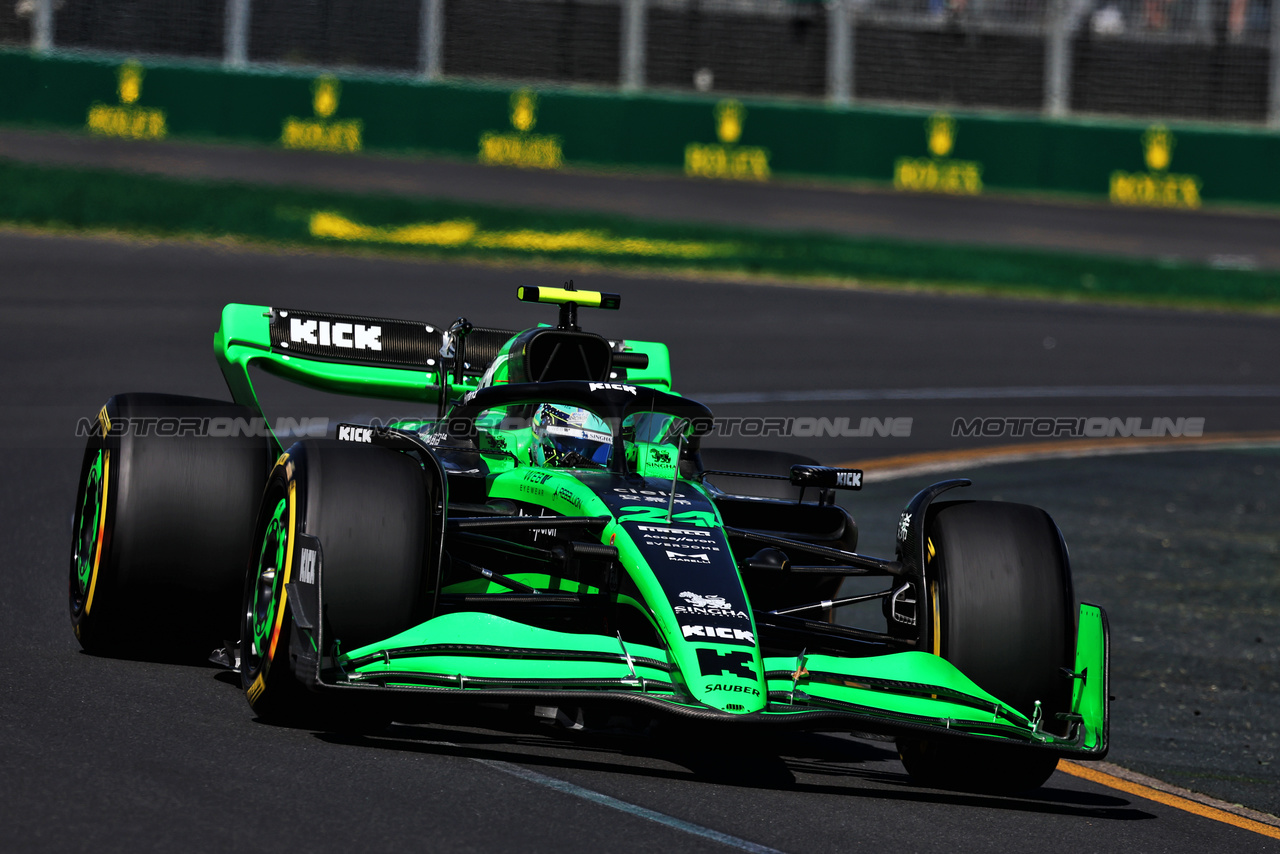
(368, 508)
(1001, 609)
(163, 518)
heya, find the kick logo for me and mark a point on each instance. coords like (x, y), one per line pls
(349, 433)
(307, 566)
(324, 333)
(852, 479)
(718, 633)
(613, 386)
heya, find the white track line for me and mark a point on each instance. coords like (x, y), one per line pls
(604, 800)
(623, 806)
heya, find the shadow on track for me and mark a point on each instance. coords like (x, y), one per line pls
(780, 762)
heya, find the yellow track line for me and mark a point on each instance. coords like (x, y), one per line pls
(1176, 801)
(888, 468)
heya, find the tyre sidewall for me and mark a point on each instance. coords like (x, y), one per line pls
(1010, 630)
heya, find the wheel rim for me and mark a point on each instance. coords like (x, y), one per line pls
(87, 534)
(268, 584)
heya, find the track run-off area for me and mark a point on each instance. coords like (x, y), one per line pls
(1179, 547)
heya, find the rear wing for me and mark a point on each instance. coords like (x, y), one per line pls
(372, 356)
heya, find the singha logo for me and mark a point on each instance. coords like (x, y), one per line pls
(712, 601)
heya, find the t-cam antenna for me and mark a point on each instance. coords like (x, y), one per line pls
(569, 299)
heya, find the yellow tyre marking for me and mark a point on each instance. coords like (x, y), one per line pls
(255, 690)
(102, 525)
(1113, 782)
(936, 639)
(288, 565)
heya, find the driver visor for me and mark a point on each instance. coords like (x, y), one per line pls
(588, 444)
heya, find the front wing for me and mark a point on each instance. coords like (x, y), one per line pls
(479, 656)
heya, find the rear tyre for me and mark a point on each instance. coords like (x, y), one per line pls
(163, 520)
(1001, 609)
(368, 507)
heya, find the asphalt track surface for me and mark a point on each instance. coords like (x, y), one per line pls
(1250, 239)
(109, 754)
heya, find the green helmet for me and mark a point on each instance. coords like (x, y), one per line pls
(569, 437)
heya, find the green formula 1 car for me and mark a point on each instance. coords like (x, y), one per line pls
(554, 535)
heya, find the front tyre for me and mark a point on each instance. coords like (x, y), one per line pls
(1001, 609)
(368, 507)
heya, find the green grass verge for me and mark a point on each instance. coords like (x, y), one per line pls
(156, 206)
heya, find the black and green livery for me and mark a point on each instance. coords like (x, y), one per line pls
(420, 563)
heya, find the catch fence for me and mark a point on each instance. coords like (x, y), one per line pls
(1215, 60)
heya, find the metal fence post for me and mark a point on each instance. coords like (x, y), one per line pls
(235, 35)
(839, 52)
(431, 40)
(42, 26)
(634, 20)
(1057, 60)
(1273, 111)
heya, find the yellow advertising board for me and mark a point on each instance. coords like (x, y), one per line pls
(323, 132)
(127, 119)
(1157, 187)
(522, 148)
(938, 173)
(727, 159)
